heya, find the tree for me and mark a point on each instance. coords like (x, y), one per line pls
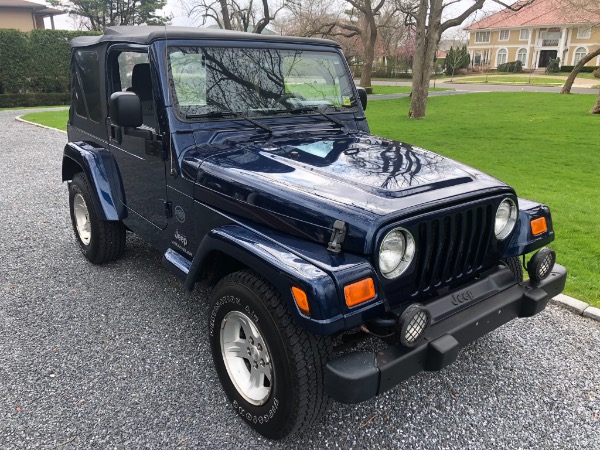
(241, 15)
(593, 9)
(364, 20)
(427, 18)
(457, 59)
(100, 14)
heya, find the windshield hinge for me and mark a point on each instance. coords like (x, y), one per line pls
(337, 237)
(168, 210)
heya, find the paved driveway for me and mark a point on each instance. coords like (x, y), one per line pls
(117, 356)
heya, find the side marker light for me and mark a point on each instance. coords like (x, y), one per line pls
(538, 226)
(301, 300)
(359, 292)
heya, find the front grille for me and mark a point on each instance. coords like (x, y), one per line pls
(451, 247)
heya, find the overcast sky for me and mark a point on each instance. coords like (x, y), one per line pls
(181, 17)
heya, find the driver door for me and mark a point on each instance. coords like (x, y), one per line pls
(138, 151)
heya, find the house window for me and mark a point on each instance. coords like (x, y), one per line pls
(579, 54)
(502, 56)
(584, 32)
(524, 35)
(522, 56)
(482, 36)
(504, 35)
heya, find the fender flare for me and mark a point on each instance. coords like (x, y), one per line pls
(280, 267)
(103, 175)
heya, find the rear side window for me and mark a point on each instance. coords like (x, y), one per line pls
(86, 85)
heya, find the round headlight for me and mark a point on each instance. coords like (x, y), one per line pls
(506, 218)
(396, 252)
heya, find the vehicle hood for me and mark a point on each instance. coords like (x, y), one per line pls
(303, 183)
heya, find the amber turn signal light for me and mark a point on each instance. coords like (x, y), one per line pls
(359, 292)
(538, 226)
(301, 300)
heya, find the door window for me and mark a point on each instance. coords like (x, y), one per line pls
(132, 74)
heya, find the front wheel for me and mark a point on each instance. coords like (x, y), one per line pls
(271, 370)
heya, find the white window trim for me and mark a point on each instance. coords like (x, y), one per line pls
(526, 55)
(498, 53)
(521, 34)
(489, 36)
(581, 35)
(575, 51)
(507, 35)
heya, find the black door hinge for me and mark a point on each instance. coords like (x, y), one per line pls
(168, 210)
(337, 237)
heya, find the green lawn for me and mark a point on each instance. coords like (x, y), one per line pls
(54, 119)
(506, 79)
(33, 107)
(544, 145)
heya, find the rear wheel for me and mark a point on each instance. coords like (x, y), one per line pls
(100, 241)
(271, 370)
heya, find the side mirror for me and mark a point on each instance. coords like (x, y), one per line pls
(125, 109)
(362, 94)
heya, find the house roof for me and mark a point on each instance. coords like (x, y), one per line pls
(37, 8)
(141, 34)
(540, 12)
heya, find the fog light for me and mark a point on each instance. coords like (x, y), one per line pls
(541, 265)
(412, 325)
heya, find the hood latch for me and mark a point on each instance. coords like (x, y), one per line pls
(337, 237)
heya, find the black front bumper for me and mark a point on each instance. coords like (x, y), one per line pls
(359, 376)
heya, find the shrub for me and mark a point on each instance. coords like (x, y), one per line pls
(34, 99)
(513, 66)
(596, 73)
(15, 59)
(37, 61)
(553, 66)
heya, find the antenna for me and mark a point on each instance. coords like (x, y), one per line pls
(173, 172)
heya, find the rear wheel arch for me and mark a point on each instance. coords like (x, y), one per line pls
(70, 168)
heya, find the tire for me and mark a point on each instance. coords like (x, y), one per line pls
(100, 241)
(285, 362)
(515, 266)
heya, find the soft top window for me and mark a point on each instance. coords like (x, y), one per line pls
(87, 84)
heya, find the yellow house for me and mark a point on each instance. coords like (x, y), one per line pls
(537, 33)
(24, 15)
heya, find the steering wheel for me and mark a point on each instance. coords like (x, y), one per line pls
(290, 99)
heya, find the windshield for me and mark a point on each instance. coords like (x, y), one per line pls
(207, 81)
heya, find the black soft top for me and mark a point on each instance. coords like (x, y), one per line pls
(147, 34)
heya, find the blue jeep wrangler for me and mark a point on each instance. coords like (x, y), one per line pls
(246, 160)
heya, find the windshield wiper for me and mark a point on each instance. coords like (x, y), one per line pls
(228, 113)
(318, 111)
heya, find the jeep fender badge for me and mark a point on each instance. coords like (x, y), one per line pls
(179, 214)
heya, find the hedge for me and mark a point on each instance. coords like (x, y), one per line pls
(513, 66)
(586, 69)
(34, 99)
(35, 62)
